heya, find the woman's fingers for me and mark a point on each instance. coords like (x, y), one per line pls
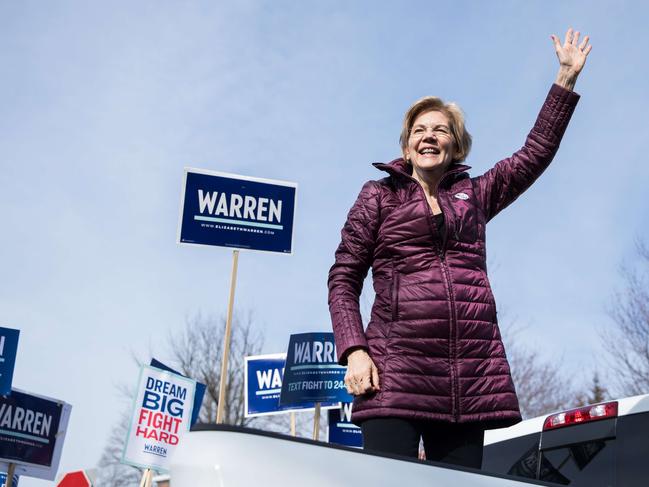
(358, 385)
(375, 378)
(575, 38)
(362, 375)
(353, 382)
(366, 385)
(348, 386)
(571, 45)
(568, 39)
(585, 47)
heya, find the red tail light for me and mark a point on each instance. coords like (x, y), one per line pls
(581, 415)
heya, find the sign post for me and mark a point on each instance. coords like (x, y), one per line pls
(10, 474)
(316, 422)
(147, 477)
(240, 212)
(226, 340)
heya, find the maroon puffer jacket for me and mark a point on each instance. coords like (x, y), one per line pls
(433, 333)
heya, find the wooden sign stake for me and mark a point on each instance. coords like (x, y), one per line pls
(226, 341)
(316, 422)
(10, 475)
(145, 474)
(292, 423)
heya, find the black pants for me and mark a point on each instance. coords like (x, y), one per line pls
(458, 444)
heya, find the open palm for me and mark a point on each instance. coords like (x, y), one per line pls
(572, 56)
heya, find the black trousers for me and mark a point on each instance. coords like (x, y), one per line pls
(457, 444)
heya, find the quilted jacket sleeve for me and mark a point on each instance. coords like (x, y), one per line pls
(353, 260)
(509, 178)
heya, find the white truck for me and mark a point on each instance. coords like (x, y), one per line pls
(601, 445)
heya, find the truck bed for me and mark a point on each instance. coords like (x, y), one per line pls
(231, 456)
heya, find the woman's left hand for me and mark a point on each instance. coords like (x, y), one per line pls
(572, 57)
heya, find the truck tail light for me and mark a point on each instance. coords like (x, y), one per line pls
(581, 415)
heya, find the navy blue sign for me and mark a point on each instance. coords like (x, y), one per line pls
(227, 210)
(199, 393)
(263, 383)
(8, 348)
(341, 429)
(312, 372)
(28, 428)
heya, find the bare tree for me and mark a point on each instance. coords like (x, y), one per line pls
(196, 352)
(627, 341)
(111, 472)
(541, 385)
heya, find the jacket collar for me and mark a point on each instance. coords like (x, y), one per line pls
(399, 167)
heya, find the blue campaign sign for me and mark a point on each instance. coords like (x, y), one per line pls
(8, 349)
(227, 210)
(28, 428)
(263, 383)
(3, 480)
(341, 429)
(199, 393)
(312, 372)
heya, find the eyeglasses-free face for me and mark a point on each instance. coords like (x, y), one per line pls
(419, 131)
(430, 144)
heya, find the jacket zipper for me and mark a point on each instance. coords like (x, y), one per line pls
(452, 348)
(452, 342)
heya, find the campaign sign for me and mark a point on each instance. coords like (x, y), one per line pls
(8, 348)
(227, 210)
(341, 429)
(263, 377)
(3, 480)
(32, 431)
(198, 396)
(312, 372)
(28, 428)
(162, 413)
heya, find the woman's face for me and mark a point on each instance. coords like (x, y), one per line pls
(430, 143)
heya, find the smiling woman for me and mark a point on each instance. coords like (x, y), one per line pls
(431, 363)
(433, 137)
(430, 150)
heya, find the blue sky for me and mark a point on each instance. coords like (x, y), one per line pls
(104, 103)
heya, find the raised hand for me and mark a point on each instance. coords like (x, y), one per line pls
(572, 57)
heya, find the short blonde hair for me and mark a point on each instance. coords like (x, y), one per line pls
(453, 112)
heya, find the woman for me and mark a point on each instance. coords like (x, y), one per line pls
(431, 363)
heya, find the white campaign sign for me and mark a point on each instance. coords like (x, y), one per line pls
(162, 413)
